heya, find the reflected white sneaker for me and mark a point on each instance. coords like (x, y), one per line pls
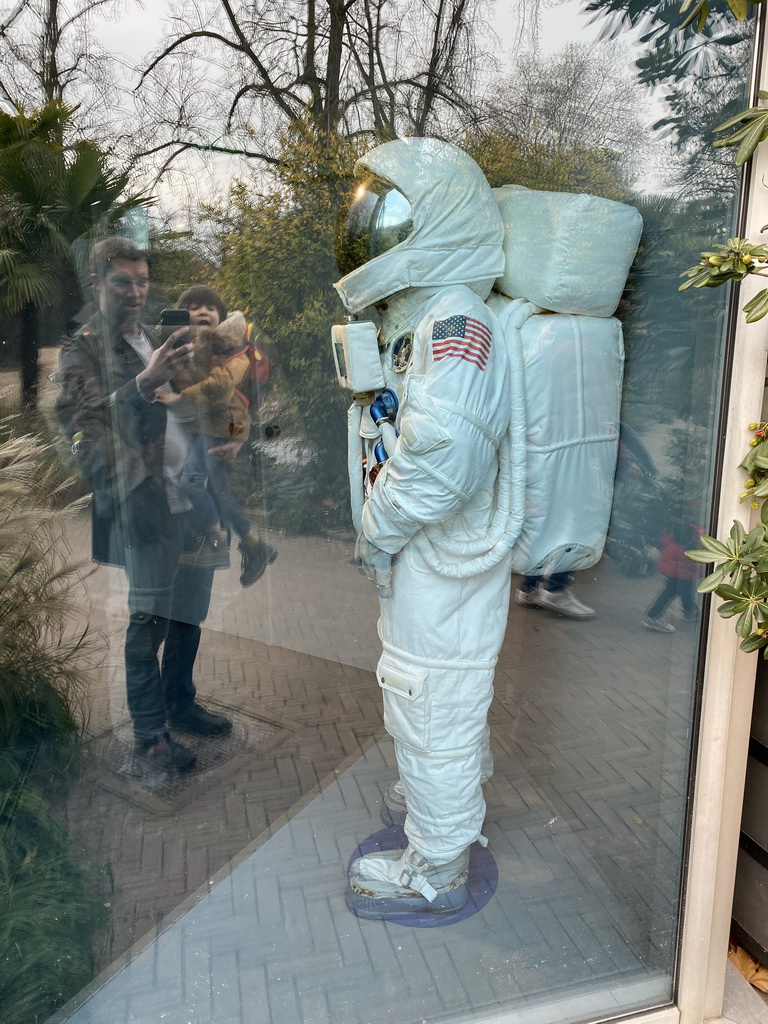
(526, 597)
(563, 602)
(396, 882)
(658, 625)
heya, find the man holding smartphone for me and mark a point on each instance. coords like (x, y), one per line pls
(131, 451)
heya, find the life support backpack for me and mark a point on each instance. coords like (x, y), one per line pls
(567, 260)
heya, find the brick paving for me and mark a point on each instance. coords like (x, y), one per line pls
(228, 904)
(230, 908)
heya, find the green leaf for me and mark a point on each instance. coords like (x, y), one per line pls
(737, 534)
(727, 609)
(729, 593)
(739, 8)
(744, 625)
(757, 307)
(750, 115)
(705, 557)
(715, 545)
(713, 581)
(758, 131)
(698, 8)
(753, 643)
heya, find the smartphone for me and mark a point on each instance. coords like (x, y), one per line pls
(171, 320)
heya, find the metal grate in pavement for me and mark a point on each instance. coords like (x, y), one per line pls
(218, 757)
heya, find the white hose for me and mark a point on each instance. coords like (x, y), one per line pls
(355, 465)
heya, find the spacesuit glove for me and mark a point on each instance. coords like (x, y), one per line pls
(375, 563)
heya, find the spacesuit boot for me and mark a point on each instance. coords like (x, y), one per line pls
(399, 882)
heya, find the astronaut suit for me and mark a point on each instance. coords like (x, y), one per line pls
(421, 240)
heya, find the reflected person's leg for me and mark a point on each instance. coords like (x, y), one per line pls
(228, 505)
(191, 601)
(149, 568)
(558, 581)
(664, 598)
(142, 675)
(685, 593)
(182, 642)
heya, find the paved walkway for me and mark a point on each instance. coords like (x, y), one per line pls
(242, 875)
(228, 891)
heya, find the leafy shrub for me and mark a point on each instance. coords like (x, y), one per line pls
(51, 905)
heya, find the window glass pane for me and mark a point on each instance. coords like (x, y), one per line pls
(196, 715)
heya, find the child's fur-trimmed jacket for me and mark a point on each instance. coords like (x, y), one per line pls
(211, 398)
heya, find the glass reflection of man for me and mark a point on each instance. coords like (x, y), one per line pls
(131, 451)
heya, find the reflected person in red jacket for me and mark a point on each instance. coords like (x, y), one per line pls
(681, 574)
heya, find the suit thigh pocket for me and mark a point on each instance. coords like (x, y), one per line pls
(407, 716)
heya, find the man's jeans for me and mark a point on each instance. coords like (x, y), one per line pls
(167, 602)
(554, 583)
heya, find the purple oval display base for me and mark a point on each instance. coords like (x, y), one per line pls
(483, 879)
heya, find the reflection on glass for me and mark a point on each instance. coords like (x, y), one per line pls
(376, 216)
(224, 883)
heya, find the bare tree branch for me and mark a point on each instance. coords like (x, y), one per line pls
(204, 147)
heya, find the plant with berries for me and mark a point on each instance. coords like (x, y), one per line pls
(741, 576)
(734, 261)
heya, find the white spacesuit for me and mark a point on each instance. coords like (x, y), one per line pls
(422, 241)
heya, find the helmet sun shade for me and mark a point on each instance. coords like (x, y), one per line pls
(374, 217)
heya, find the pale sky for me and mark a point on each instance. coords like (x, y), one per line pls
(139, 30)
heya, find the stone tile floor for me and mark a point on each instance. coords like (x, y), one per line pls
(229, 907)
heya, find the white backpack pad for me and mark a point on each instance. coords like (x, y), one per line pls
(572, 375)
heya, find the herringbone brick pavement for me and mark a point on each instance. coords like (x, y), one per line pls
(243, 884)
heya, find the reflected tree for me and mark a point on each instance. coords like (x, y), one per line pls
(52, 197)
(277, 263)
(703, 74)
(49, 52)
(372, 67)
(574, 130)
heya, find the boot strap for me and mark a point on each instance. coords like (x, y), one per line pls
(419, 883)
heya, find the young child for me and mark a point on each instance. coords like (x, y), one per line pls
(681, 574)
(210, 398)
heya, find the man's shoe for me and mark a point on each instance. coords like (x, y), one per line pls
(658, 625)
(200, 722)
(164, 754)
(256, 557)
(563, 602)
(527, 598)
(398, 882)
(209, 553)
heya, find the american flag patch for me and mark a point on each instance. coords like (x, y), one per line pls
(463, 337)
